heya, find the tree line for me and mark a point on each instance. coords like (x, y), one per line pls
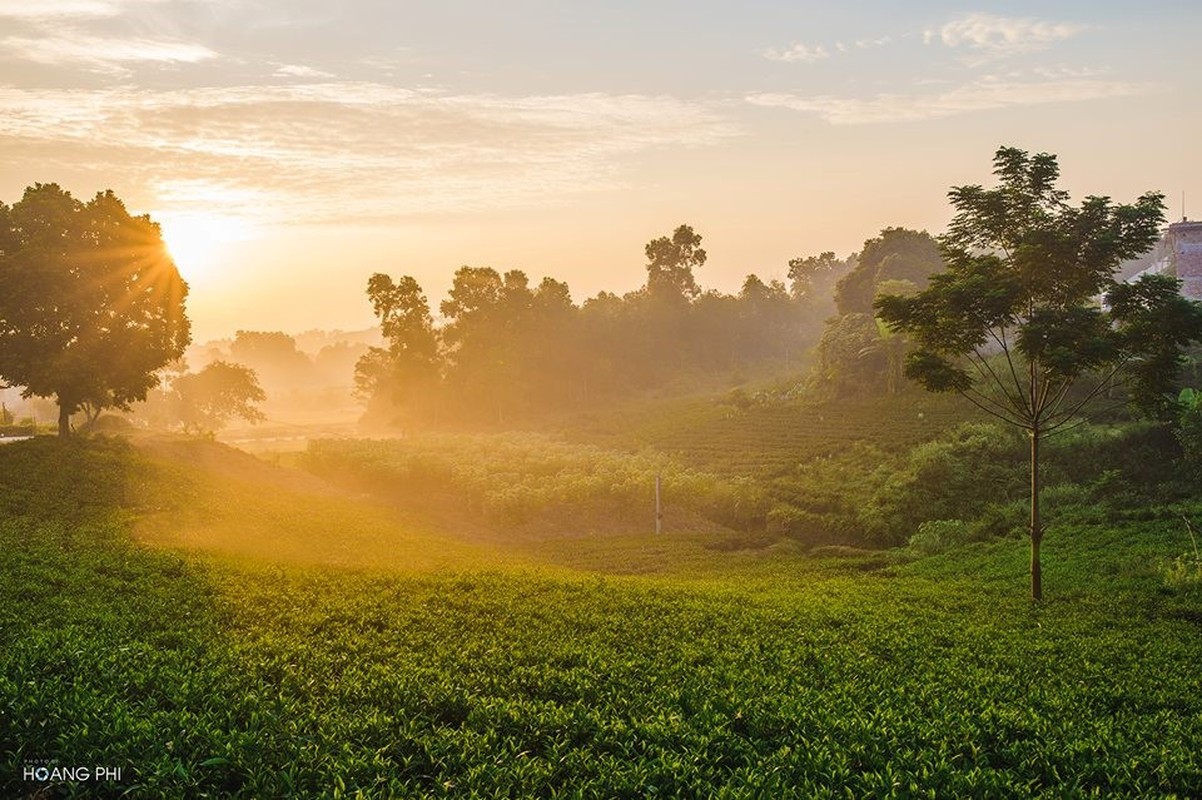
(504, 348)
(92, 314)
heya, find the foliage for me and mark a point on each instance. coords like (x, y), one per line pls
(519, 478)
(1024, 269)
(804, 272)
(953, 477)
(857, 353)
(401, 373)
(206, 678)
(1186, 569)
(897, 254)
(206, 401)
(938, 536)
(850, 362)
(274, 357)
(670, 263)
(1189, 430)
(507, 350)
(92, 304)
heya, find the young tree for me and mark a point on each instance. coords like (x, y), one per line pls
(92, 304)
(205, 401)
(1014, 323)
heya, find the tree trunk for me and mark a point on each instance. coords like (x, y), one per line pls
(1036, 522)
(64, 420)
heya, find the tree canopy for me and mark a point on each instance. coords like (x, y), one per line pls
(92, 304)
(1014, 323)
(507, 348)
(206, 401)
(670, 263)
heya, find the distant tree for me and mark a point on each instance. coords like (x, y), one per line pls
(670, 263)
(206, 401)
(803, 272)
(409, 364)
(552, 347)
(896, 254)
(851, 356)
(335, 363)
(1014, 324)
(91, 303)
(893, 342)
(485, 313)
(767, 320)
(274, 357)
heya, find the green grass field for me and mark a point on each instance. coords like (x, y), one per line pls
(219, 627)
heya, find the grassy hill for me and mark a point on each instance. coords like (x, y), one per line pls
(218, 626)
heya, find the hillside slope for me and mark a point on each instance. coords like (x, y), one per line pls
(785, 677)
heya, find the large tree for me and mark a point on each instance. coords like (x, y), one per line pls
(1015, 325)
(91, 304)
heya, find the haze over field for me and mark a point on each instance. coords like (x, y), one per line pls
(290, 150)
(542, 399)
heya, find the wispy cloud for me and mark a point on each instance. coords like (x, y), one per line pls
(881, 41)
(64, 34)
(991, 36)
(344, 150)
(102, 54)
(979, 95)
(300, 71)
(797, 53)
(810, 54)
(41, 10)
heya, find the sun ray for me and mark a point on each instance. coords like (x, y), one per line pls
(201, 243)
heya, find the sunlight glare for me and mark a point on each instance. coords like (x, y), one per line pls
(202, 243)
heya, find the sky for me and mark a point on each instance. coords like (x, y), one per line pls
(291, 148)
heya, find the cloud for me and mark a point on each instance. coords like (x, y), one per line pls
(798, 52)
(43, 10)
(337, 151)
(992, 36)
(299, 71)
(865, 44)
(980, 95)
(102, 54)
(63, 34)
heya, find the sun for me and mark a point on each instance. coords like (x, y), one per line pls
(202, 243)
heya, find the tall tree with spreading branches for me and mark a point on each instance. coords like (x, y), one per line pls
(91, 304)
(1014, 324)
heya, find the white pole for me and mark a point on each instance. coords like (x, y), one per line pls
(659, 508)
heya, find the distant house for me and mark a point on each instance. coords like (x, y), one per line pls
(1178, 254)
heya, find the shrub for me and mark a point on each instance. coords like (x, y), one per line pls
(1186, 569)
(1182, 571)
(938, 536)
(954, 477)
(1000, 520)
(518, 478)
